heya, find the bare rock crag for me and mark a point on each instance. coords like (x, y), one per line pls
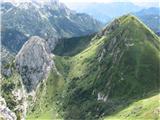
(33, 62)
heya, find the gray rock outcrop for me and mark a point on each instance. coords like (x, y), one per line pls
(5, 112)
(33, 62)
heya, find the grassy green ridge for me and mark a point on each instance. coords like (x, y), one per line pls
(145, 109)
(128, 69)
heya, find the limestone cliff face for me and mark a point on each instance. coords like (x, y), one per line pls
(33, 62)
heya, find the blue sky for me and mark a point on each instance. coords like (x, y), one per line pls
(146, 3)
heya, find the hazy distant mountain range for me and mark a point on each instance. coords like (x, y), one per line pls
(151, 17)
(105, 12)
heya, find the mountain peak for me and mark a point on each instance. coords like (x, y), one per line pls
(129, 30)
(128, 18)
(125, 23)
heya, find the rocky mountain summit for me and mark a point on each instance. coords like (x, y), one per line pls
(33, 62)
(6, 113)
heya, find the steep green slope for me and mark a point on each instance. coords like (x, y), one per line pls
(120, 65)
(145, 109)
(44, 106)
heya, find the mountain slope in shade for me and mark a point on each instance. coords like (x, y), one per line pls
(6, 58)
(72, 46)
(12, 39)
(6, 6)
(6, 55)
(50, 21)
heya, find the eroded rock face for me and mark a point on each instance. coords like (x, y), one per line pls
(33, 62)
(5, 112)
